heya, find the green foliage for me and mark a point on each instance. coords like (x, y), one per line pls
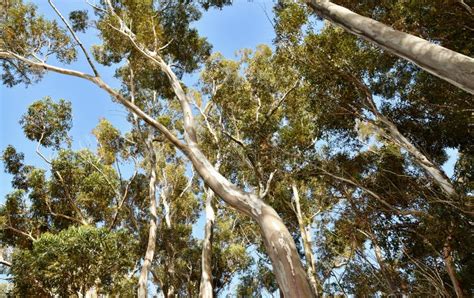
(48, 122)
(206, 4)
(13, 218)
(13, 161)
(81, 178)
(24, 32)
(73, 261)
(110, 141)
(79, 20)
(154, 26)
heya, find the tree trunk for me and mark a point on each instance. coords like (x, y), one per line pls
(390, 131)
(150, 250)
(205, 289)
(446, 64)
(450, 268)
(281, 249)
(306, 238)
(279, 244)
(393, 134)
(386, 272)
(166, 207)
(91, 293)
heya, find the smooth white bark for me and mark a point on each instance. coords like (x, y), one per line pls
(150, 250)
(205, 288)
(306, 238)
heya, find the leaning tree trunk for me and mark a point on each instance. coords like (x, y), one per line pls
(150, 250)
(281, 248)
(390, 131)
(205, 289)
(278, 241)
(279, 244)
(450, 267)
(393, 134)
(446, 64)
(305, 237)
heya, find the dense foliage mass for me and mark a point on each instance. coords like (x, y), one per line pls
(313, 165)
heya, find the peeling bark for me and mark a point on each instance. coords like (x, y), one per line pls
(446, 64)
(279, 244)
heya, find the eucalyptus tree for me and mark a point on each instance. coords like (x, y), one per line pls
(71, 263)
(326, 136)
(155, 44)
(378, 104)
(52, 221)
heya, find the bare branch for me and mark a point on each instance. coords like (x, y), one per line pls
(89, 60)
(208, 125)
(20, 232)
(122, 201)
(375, 196)
(166, 45)
(267, 186)
(466, 6)
(101, 84)
(188, 186)
(278, 103)
(39, 152)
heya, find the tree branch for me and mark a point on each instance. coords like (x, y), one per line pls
(89, 60)
(173, 80)
(267, 186)
(101, 84)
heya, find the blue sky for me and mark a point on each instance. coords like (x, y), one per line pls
(242, 25)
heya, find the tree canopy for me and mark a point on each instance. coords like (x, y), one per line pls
(312, 166)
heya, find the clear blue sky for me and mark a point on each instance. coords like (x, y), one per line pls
(242, 25)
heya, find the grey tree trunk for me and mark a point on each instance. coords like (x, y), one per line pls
(389, 130)
(440, 178)
(205, 288)
(446, 64)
